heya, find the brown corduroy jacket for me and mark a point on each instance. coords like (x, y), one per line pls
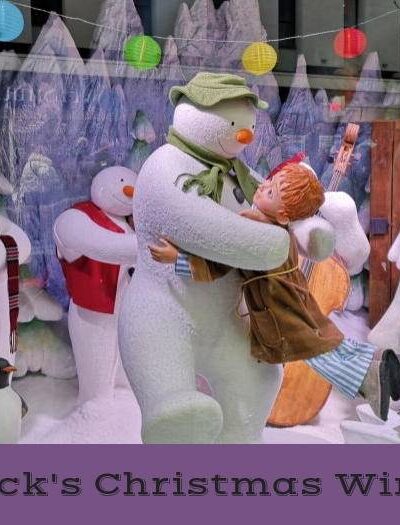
(285, 319)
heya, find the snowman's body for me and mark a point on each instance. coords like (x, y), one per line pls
(172, 328)
(10, 416)
(94, 334)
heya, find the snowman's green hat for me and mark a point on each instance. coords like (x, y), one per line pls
(208, 89)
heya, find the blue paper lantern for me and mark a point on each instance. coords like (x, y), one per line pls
(11, 21)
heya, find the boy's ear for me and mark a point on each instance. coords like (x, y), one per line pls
(282, 218)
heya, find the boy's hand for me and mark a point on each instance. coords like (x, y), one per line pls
(166, 254)
(254, 215)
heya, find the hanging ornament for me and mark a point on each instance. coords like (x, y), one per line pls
(350, 42)
(11, 21)
(259, 58)
(142, 52)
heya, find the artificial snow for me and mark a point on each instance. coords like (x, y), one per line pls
(54, 418)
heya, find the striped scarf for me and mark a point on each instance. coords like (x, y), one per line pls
(12, 262)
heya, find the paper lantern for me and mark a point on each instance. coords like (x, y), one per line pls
(142, 52)
(350, 43)
(259, 58)
(11, 21)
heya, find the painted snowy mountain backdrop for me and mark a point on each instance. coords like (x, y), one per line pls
(62, 120)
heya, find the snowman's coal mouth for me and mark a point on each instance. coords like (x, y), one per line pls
(224, 150)
(125, 203)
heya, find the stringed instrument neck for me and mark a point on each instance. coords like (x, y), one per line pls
(339, 171)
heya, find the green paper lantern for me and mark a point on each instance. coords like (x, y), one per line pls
(142, 52)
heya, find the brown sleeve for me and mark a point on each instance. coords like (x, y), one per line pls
(204, 271)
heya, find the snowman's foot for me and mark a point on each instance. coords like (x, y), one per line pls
(185, 417)
(237, 438)
(104, 420)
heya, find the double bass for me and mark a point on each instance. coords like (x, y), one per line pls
(304, 392)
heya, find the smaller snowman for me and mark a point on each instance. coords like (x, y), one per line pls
(12, 407)
(15, 249)
(13, 238)
(97, 248)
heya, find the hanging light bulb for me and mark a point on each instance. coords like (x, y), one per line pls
(11, 21)
(259, 58)
(350, 42)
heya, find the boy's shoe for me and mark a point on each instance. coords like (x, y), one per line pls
(380, 382)
(394, 376)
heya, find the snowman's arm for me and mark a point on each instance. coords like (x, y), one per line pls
(203, 228)
(77, 235)
(351, 242)
(394, 252)
(3, 256)
(315, 238)
(7, 227)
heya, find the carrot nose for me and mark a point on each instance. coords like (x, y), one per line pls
(245, 136)
(129, 191)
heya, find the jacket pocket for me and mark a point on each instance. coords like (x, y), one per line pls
(265, 328)
(303, 306)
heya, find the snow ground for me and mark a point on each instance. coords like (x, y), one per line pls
(54, 418)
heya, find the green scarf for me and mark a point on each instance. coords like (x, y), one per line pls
(210, 181)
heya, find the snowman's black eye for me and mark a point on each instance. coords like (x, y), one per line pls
(253, 126)
(122, 180)
(233, 123)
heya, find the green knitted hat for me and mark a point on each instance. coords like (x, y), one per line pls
(208, 89)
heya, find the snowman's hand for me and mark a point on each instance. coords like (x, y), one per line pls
(394, 252)
(167, 253)
(315, 238)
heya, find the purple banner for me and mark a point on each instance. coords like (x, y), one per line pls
(199, 484)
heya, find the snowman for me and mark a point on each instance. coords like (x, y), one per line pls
(8, 228)
(97, 248)
(10, 402)
(171, 329)
(387, 331)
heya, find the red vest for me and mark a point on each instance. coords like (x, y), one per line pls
(93, 284)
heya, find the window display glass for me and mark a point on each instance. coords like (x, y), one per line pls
(165, 274)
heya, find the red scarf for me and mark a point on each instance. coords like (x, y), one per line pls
(12, 261)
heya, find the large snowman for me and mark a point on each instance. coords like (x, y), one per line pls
(97, 248)
(173, 328)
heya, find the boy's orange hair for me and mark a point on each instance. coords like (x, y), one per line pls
(301, 192)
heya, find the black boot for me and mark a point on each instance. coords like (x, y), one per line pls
(379, 382)
(394, 375)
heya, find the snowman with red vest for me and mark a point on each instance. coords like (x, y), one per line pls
(97, 249)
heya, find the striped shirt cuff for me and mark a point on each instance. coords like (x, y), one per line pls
(182, 265)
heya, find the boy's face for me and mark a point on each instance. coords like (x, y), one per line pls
(268, 199)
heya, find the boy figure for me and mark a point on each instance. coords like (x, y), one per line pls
(286, 322)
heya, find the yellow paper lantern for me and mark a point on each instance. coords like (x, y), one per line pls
(259, 58)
